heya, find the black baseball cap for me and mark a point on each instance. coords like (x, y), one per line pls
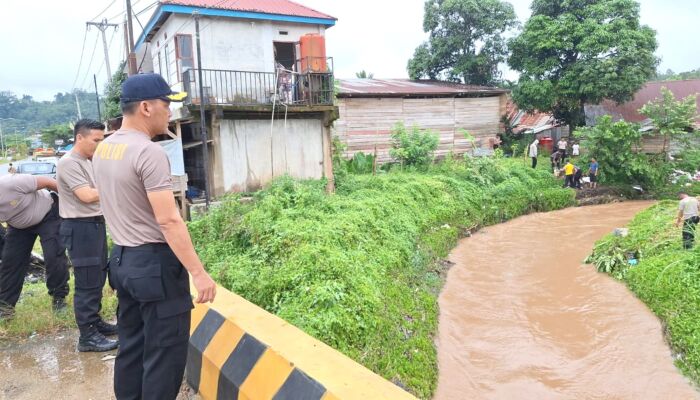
(148, 87)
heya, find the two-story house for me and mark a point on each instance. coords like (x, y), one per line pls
(267, 84)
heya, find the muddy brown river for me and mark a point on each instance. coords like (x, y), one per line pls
(521, 317)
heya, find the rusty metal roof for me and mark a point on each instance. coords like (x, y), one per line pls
(529, 122)
(278, 7)
(411, 88)
(652, 90)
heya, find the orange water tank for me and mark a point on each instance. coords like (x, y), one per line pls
(313, 53)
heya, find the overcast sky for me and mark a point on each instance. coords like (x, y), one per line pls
(41, 40)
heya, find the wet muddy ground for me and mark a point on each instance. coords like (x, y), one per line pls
(521, 317)
(49, 368)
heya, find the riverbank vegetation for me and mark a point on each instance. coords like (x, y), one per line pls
(666, 277)
(359, 269)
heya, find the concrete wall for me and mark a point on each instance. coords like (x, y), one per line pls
(251, 154)
(227, 43)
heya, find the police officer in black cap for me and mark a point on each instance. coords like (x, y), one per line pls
(30, 211)
(152, 250)
(84, 235)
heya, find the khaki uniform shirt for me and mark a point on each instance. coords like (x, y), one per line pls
(21, 205)
(74, 172)
(127, 165)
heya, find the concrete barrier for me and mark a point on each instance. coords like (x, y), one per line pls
(239, 351)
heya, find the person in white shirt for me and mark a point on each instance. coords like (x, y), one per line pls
(533, 152)
(575, 150)
(561, 145)
(688, 214)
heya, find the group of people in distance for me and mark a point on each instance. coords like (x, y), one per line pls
(573, 174)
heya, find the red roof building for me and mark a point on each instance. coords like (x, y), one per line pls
(276, 7)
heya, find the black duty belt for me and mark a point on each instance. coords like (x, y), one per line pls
(96, 218)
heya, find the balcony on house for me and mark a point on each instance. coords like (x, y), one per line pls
(312, 86)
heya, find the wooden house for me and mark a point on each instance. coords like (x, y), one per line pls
(370, 108)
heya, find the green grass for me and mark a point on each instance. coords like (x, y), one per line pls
(359, 269)
(667, 277)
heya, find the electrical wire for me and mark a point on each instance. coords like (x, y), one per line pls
(104, 11)
(82, 52)
(92, 57)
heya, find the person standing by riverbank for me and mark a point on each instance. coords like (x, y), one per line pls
(152, 251)
(561, 145)
(533, 152)
(84, 234)
(593, 173)
(569, 175)
(688, 215)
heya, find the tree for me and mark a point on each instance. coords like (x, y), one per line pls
(113, 92)
(577, 52)
(616, 146)
(364, 75)
(669, 75)
(466, 41)
(673, 119)
(56, 132)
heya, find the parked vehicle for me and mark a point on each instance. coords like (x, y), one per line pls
(44, 152)
(44, 168)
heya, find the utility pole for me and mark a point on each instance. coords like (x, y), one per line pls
(102, 26)
(130, 43)
(202, 115)
(97, 97)
(77, 104)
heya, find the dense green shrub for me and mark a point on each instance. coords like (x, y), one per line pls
(413, 147)
(667, 278)
(355, 269)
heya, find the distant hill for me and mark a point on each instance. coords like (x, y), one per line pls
(29, 115)
(669, 75)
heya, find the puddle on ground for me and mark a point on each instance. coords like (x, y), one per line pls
(50, 368)
(522, 318)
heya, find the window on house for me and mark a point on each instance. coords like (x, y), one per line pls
(184, 54)
(166, 52)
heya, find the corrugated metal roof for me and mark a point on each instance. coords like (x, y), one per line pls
(534, 122)
(278, 7)
(407, 87)
(652, 90)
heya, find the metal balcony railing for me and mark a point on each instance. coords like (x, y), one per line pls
(246, 88)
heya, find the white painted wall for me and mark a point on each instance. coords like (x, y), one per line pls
(227, 43)
(252, 154)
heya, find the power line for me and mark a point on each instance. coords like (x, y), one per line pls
(80, 64)
(87, 71)
(105, 10)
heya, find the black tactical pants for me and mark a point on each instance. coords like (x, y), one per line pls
(17, 252)
(86, 241)
(154, 321)
(689, 226)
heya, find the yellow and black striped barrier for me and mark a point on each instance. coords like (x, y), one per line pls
(240, 351)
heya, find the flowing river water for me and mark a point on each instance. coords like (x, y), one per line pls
(521, 317)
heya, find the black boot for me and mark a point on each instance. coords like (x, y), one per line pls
(106, 328)
(93, 340)
(58, 304)
(6, 313)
